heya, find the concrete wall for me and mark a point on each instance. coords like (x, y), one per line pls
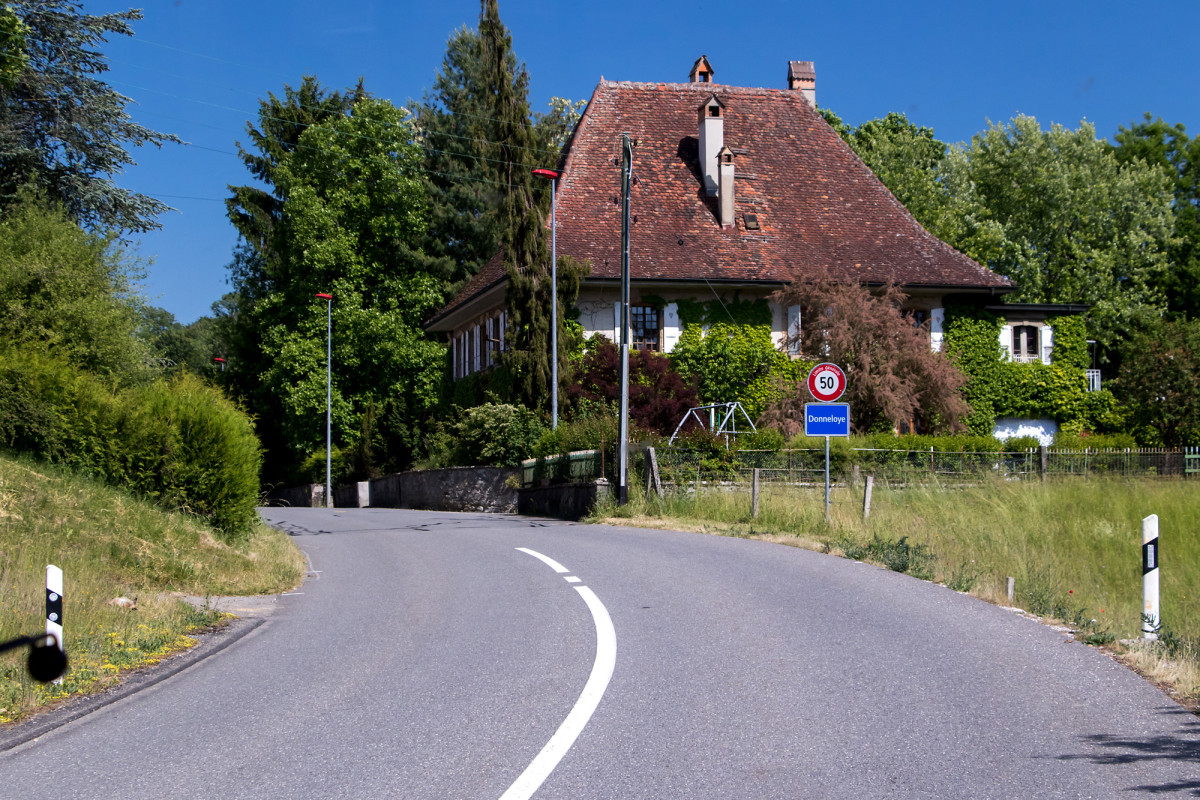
(310, 495)
(449, 489)
(352, 495)
(566, 501)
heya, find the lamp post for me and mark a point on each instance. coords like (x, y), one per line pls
(553, 177)
(328, 298)
(220, 361)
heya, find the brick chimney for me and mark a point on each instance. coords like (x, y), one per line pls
(712, 139)
(802, 75)
(725, 186)
(702, 71)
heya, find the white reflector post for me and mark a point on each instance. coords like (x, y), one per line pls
(1150, 609)
(54, 606)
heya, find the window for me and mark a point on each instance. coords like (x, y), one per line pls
(1025, 343)
(645, 323)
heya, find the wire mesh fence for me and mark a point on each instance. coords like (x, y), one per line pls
(901, 467)
(679, 467)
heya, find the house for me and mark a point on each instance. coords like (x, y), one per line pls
(734, 190)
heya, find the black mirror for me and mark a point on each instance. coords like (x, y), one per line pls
(46, 661)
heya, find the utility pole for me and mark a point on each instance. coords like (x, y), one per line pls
(623, 454)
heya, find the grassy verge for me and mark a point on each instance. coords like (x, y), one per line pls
(1073, 548)
(110, 545)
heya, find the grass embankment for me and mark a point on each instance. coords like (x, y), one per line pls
(1073, 547)
(111, 545)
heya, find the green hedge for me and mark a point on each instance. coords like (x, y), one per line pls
(179, 442)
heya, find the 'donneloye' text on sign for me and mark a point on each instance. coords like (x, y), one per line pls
(826, 419)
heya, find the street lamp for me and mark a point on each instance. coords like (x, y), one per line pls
(221, 361)
(328, 298)
(553, 177)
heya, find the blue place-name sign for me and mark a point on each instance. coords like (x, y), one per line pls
(826, 419)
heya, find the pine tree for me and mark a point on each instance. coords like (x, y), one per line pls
(62, 129)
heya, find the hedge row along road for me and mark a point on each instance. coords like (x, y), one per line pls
(457, 655)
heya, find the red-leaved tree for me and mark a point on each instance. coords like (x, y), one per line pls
(658, 395)
(892, 376)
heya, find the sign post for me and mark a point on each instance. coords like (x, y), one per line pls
(826, 382)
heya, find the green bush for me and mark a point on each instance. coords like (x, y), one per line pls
(496, 434)
(179, 442)
(1111, 441)
(761, 439)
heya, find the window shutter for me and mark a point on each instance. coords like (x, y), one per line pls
(793, 330)
(1006, 343)
(937, 319)
(1047, 344)
(670, 327)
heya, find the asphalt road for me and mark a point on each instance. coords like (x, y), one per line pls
(431, 658)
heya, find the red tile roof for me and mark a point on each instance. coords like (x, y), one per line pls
(818, 206)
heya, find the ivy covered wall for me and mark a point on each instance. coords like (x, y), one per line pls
(1000, 388)
(728, 347)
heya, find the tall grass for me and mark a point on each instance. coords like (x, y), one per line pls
(108, 545)
(1073, 547)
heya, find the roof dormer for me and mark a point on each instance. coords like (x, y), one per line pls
(702, 71)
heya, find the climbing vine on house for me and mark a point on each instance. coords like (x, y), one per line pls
(727, 346)
(1000, 388)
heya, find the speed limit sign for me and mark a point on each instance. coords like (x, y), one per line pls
(826, 382)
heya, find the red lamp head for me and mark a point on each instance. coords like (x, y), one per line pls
(548, 174)
(219, 360)
(325, 296)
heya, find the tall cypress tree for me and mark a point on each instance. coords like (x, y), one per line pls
(457, 120)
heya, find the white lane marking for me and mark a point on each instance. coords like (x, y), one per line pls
(571, 579)
(602, 670)
(547, 560)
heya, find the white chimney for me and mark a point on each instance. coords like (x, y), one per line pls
(802, 75)
(725, 192)
(712, 139)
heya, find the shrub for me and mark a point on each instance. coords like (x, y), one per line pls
(496, 434)
(658, 395)
(178, 442)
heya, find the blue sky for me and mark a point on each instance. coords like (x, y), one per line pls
(196, 68)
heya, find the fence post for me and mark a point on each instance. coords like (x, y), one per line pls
(854, 475)
(867, 497)
(754, 493)
(653, 479)
(1044, 452)
(1012, 589)
(54, 606)
(1150, 552)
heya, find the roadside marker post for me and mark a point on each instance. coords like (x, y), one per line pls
(54, 606)
(1151, 619)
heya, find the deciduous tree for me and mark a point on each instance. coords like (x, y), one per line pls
(1168, 146)
(892, 376)
(1056, 212)
(69, 291)
(352, 210)
(1159, 381)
